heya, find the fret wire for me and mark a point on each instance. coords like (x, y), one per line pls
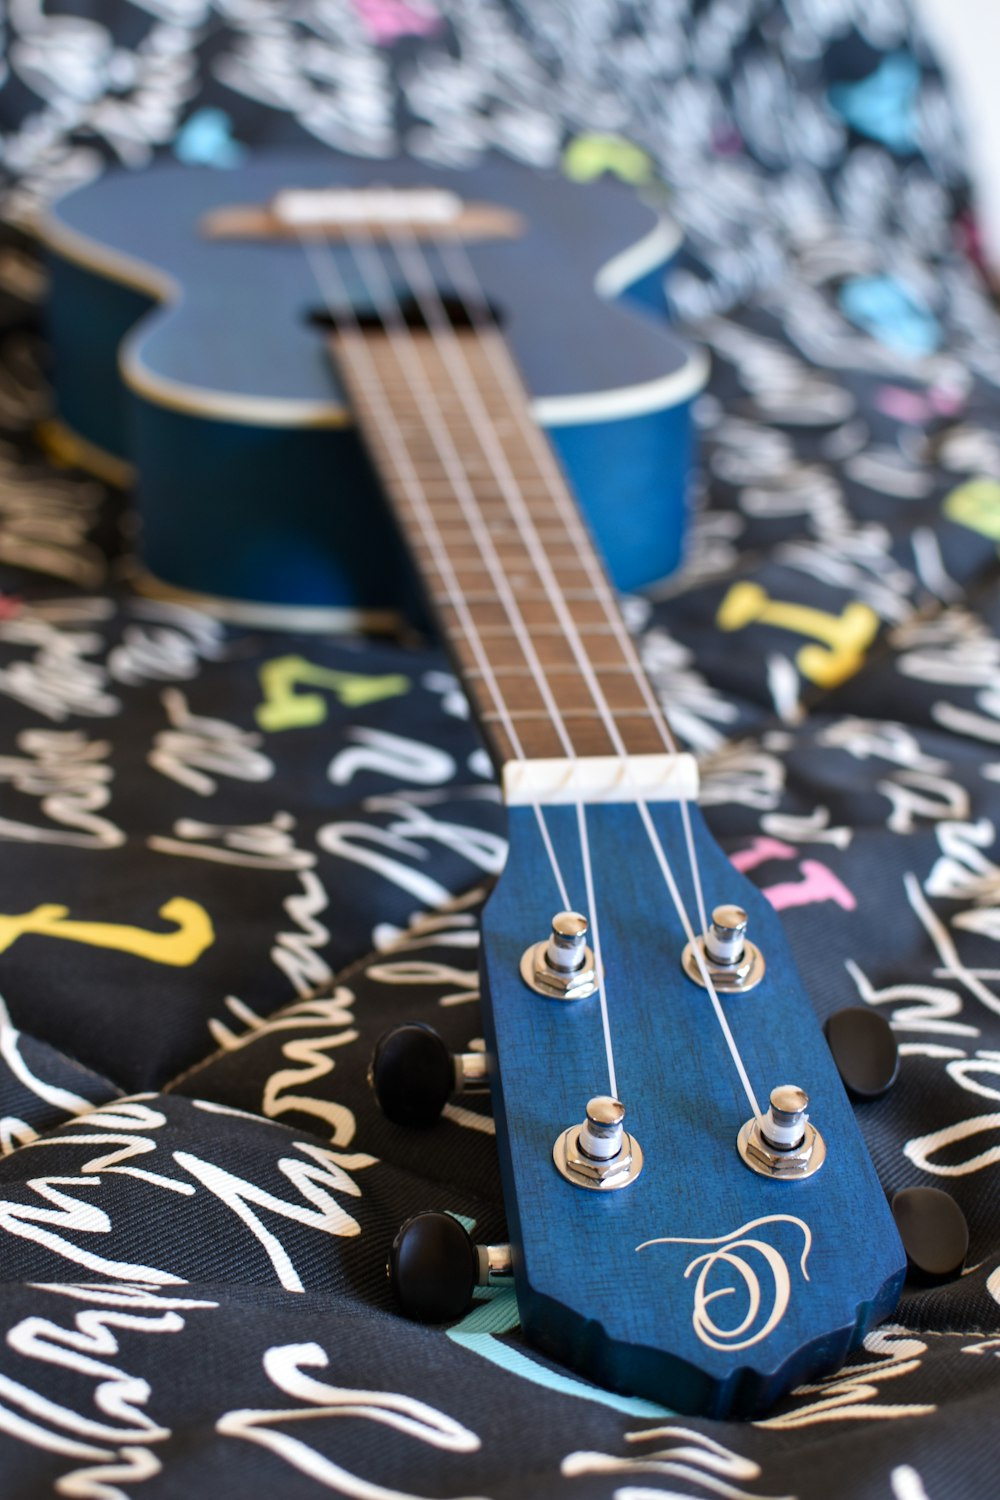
(404, 340)
(553, 630)
(560, 669)
(536, 487)
(510, 550)
(456, 602)
(457, 539)
(453, 350)
(475, 575)
(538, 715)
(473, 596)
(502, 365)
(556, 652)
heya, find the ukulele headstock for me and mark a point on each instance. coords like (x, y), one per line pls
(707, 1280)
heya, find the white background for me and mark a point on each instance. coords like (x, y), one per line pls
(966, 37)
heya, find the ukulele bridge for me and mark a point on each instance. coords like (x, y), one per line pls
(377, 212)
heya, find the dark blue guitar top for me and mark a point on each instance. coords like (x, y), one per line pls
(234, 344)
(239, 324)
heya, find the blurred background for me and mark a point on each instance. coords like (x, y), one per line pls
(966, 35)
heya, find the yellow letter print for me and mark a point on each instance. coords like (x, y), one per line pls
(588, 156)
(976, 504)
(847, 635)
(181, 948)
(283, 708)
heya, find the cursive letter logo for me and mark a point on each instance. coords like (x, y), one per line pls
(737, 1254)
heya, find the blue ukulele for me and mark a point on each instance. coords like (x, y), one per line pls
(693, 1214)
(186, 322)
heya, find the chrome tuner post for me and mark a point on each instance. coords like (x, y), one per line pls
(734, 963)
(434, 1267)
(561, 966)
(781, 1143)
(600, 1153)
(413, 1074)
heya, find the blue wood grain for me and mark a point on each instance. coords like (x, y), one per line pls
(586, 1295)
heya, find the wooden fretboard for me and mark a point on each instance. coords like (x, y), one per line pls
(506, 559)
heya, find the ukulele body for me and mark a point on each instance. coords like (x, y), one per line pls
(198, 363)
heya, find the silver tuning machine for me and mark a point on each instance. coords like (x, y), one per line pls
(781, 1143)
(734, 964)
(599, 1154)
(561, 966)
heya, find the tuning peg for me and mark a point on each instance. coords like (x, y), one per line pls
(781, 1143)
(414, 1075)
(434, 1267)
(733, 962)
(561, 966)
(934, 1232)
(864, 1049)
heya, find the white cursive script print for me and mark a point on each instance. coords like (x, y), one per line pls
(735, 1253)
(115, 1440)
(690, 1456)
(286, 1365)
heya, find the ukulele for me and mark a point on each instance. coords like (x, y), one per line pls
(693, 1214)
(187, 317)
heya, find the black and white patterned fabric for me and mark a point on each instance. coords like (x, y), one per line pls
(208, 912)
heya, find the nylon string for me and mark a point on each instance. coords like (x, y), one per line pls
(442, 336)
(390, 315)
(417, 271)
(327, 276)
(461, 269)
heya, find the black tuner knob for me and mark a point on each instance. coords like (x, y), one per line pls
(414, 1075)
(934, 1232)
(864, 1050)
(434, 1267)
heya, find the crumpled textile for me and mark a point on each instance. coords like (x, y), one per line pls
(209, 911)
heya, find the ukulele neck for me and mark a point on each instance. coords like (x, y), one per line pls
(504, 554)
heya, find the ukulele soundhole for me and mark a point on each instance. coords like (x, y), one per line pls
(415, 315)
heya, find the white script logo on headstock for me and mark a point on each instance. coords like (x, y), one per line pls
(737, 1260)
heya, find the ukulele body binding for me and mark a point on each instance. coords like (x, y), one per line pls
(196, 364)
